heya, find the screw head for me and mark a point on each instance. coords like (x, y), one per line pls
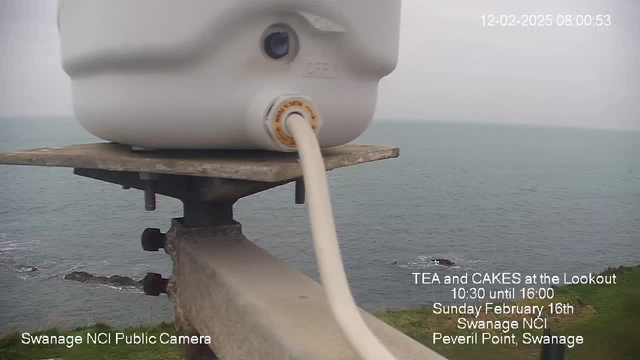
(153, 284)
(152, 239)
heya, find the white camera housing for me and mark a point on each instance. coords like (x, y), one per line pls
(198, 74)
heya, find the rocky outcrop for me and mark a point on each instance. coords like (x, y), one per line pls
(444, 262)
(115, 280)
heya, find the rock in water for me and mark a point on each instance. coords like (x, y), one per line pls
(115, 280)
(80, 276)
(444, 262)
(123, 281)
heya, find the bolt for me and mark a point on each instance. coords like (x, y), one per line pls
(154, 285)
(149, 190)
(149, 196)
(300, 191)
(152, 239)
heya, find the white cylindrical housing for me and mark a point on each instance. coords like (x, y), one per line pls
(188, 74)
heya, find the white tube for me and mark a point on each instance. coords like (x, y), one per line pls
(326, 245)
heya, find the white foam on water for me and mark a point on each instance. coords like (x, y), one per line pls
(421, 262)
(424, 261)
(127, 289)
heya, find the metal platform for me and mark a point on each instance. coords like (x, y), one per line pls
(266, 166)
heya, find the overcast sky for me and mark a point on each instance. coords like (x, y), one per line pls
(451, 68)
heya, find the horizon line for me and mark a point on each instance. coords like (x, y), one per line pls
(384, 120)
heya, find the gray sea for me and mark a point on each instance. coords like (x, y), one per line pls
(491, 198)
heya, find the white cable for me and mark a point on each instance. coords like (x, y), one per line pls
(325, 241)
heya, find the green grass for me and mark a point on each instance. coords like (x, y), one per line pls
(607, 316)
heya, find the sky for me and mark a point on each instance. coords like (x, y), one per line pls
(451, 67)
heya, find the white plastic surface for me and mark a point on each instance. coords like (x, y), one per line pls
(192, 73)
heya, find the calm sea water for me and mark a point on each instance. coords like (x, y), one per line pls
(490, 198)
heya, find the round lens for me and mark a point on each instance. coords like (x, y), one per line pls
(276, 45)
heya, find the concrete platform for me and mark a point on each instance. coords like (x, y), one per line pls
(265, 166)
(256, 307)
